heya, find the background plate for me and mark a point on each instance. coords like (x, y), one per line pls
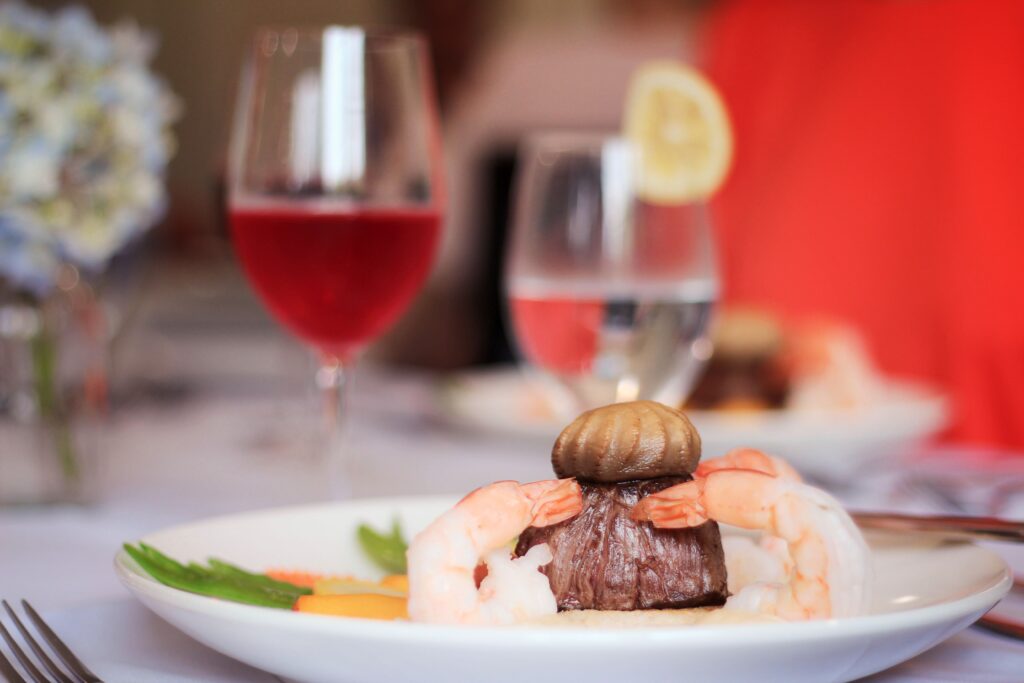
(826, 445)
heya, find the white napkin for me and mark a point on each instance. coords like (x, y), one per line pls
(968, 656)
(122, 642)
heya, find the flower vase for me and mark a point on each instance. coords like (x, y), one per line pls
(53, 394)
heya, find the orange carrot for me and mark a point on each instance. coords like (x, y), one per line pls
(365, 606)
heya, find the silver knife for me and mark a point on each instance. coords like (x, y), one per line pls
(953, 527)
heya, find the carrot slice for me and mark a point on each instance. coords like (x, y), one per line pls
(365, 606)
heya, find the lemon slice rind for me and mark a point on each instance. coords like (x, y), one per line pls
(679, 126)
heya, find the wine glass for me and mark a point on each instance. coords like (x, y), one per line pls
(335, 187)
(608, 293)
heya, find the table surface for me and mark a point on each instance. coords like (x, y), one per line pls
(225, 442)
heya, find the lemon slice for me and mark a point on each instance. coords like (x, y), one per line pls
(678, 124)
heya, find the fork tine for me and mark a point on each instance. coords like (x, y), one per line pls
(63, 652)
(8, 671)
(40, 654)
(34, 673)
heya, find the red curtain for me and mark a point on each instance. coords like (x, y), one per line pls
(879, 178)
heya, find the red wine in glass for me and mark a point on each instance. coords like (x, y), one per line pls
(336, 276)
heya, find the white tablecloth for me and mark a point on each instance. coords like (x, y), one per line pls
(213, 453)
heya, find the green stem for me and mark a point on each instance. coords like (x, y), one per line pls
(44, 365)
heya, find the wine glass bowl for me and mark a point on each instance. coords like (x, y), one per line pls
(608, 293)
(335, 186)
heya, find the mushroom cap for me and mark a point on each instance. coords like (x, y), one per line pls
(625, 441)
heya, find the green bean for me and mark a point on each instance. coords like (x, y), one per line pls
(235, 584)
(387, 551)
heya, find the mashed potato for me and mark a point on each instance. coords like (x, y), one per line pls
(703, 616)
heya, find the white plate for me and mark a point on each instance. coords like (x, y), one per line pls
(824, 444)
(922, 595)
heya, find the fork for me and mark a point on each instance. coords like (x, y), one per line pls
(79, 672)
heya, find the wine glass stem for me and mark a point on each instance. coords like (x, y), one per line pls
(332, 379)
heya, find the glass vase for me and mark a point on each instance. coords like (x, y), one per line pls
(53, 394)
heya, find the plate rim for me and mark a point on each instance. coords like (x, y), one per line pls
(145, 588)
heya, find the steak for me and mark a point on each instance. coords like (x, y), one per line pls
(605, 560)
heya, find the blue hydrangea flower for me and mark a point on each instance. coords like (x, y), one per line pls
(84, 142)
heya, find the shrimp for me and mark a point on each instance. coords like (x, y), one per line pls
(749, 560)
(825, 572)
(748, 459)
(443, 558)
